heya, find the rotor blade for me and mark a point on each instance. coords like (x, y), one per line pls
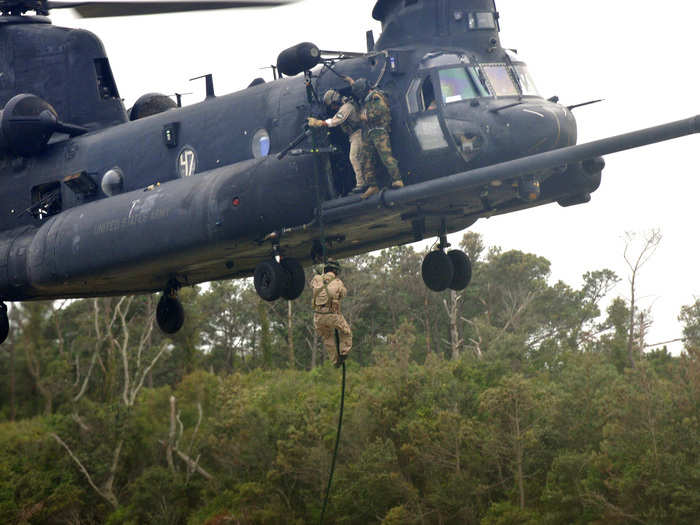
(108, 8)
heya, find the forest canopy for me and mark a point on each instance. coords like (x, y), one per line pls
(517, 401)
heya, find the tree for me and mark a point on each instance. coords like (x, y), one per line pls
(128, 334)
(515, 414)
(649, 242)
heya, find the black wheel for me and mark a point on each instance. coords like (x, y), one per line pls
(270, 280)
(462, 267)
(170, 314)
(296, 279)
(437, 271)
(4, 323)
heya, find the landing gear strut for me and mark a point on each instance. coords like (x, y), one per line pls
(442, 270)
(170, 314)
(4, 323)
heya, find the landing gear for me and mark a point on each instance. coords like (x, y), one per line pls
(297, 279)
(4, 323)
(284, 279)
(462, 270)
(170, 314)
(442, 270)
(437, 271)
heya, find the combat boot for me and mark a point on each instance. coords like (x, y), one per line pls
(370, 191)
(397, 184)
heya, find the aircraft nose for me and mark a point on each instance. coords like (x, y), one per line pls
(539, 127)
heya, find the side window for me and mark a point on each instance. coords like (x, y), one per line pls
(421, 95)
(428, 102)
(46, 200)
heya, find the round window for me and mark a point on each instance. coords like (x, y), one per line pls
(113, 182)
(261, 144)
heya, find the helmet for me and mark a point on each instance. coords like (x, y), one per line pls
(331, 97)
(360, 88)
(331, 266)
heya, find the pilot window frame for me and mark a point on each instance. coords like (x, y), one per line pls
(471, 79)
(526, 83)
(496, 89)
(416, 94)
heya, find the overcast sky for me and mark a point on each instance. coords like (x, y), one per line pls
(642, 57)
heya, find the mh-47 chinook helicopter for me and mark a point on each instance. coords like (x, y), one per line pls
(97, 201)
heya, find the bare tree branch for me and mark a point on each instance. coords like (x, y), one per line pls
(105, 494)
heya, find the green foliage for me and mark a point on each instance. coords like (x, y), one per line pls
(512, 402)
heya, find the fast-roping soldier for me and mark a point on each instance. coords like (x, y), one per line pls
(327, 292)
(347, 116)
(375, 114)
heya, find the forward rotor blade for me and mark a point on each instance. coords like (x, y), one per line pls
(108, 8)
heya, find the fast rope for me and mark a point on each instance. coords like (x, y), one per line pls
(324, 254)
(340, 426)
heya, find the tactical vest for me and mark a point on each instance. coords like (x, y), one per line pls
(321, 301)
(353, 122)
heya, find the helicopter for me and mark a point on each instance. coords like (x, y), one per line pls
(100, 202)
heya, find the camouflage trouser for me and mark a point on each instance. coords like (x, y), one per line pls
(378, 144)
(356, 147)
(326, 325)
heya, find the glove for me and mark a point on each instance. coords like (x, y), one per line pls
(315, 123)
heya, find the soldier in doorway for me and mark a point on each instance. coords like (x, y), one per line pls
(375, 114)
(347, 116)
(327, 292)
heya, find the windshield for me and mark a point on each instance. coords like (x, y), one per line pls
(526, 82)
(500, 80)
(456, 84)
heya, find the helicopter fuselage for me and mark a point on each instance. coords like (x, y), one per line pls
(200, 193)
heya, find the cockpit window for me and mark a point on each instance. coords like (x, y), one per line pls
(526, 82)
(484, 20)
(456, 85)
(500, 80)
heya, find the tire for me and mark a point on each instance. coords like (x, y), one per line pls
(462, 267)
(170, 314)
(437, 271)
(270, 280)
(4, 323)
(296, 279)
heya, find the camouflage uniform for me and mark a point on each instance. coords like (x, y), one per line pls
(348, 118)
(328, 290)
(376, 115)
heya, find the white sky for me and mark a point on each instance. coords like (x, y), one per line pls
(641, 56)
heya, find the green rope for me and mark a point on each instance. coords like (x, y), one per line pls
(340, 426)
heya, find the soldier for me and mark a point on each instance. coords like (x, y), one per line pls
(328, 290)
(347, 116)
(376, 118)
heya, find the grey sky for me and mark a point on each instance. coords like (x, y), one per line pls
(638, 55)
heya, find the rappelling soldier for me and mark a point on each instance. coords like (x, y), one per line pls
(347, 116)
(327, 292)
(375, 114)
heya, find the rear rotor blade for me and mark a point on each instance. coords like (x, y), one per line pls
(108, 8)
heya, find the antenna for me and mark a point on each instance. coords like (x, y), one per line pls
(209, 84)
